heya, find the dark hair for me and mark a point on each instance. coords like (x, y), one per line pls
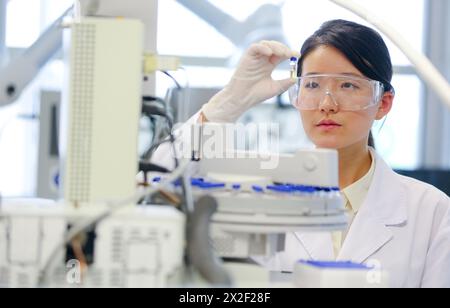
(361, 45)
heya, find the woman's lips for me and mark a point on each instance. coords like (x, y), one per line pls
(328, 125)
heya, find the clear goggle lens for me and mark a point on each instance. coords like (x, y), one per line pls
(348, 93)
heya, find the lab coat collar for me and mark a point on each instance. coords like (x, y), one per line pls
(386, 200)
(384, 207)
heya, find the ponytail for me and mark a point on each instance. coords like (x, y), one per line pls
(371, 140)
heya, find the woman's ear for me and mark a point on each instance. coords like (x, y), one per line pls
(386, 105)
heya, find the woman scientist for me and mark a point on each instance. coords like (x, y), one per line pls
(344, 85)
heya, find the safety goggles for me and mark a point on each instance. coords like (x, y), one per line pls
(346, 92)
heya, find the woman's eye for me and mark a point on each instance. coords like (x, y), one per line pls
(349, 86)
(311, 85)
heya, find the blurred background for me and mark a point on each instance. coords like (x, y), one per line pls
(415, 138)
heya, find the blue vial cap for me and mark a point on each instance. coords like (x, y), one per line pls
(293, 59)
(57, 179)
(257, 189)
(157, 179)
(336, 265)
(309, 189)
(212, 185)
(281, 188)
(237, 186)
(300, 188)
(197, 182)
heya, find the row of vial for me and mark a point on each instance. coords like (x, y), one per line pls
(284, 189)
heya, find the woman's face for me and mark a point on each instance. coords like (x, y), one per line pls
(352, 127)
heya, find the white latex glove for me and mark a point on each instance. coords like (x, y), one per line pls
(251, 84)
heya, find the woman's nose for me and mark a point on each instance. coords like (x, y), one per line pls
(329, 104)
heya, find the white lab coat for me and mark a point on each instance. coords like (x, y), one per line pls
(403, 226)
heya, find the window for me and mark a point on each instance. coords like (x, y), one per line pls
(398, 139)
(300, 17)
(26, 19)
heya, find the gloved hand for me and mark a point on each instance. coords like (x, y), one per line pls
(251, 84)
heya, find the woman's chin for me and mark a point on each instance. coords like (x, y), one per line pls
(327, 144)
